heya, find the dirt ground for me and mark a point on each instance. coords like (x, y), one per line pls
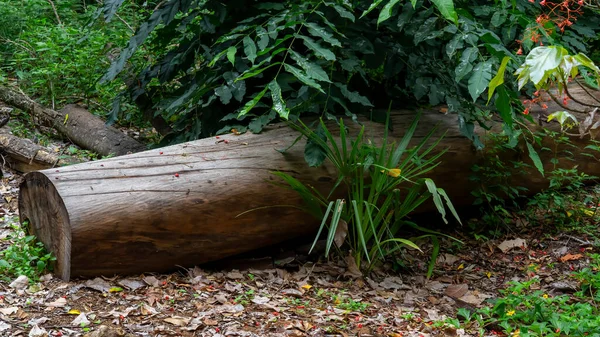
(291, 296)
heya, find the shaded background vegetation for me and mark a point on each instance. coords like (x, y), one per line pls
(196, 68)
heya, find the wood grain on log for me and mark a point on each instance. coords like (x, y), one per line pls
(177, 205)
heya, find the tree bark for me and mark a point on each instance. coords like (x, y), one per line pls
(80, 126)
(23, 155)
(179, 205)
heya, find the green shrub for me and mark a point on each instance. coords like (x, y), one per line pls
(523, 311)
(384, 184)
(24, 256)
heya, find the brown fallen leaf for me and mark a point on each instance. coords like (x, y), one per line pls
(353, 270)
(292, 292)
(571, 257)
(340, 233)
(60, 302)
(456, 290)
(210, 322)
(176, 320)
(8, 311)
(507, 245)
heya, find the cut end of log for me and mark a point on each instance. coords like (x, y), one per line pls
(52, 227)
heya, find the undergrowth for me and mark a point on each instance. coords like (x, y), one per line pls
(524, 311)
(24, 255)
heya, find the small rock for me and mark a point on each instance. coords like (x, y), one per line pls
(20, 282)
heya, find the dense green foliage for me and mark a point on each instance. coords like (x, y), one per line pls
(62, 63)
(243, 63)
(24, 256)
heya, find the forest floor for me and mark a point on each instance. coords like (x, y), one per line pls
(297, 297)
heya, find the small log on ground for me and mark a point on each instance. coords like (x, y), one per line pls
(188, 204)
(76, 123)
(23, 155)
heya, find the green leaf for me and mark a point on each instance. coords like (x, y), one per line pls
(456, 43)
(312, 70)
(302, 77)
(587, 62)
(253, 72)
(317, 48)
(478, 82)
(504, 107)
(499, 78)
(278, 103)
(263, 37)
(387, 10)
(110, 8)
(231, 54)
(437, 199)
(539, 63)
(564, 118)
(464, 66)
(251, 103)
(353, 96)
(343, 12)
(249, 49)
(258, 124)
(318, 31)
(217, 58)
(434, 254)
(446, 7)
(224, 93)
(499, 18)
(535, 158)
(371, 8)
(314, 153)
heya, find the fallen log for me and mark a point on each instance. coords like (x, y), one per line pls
(188, 204)
(24, 155)
(77, 124)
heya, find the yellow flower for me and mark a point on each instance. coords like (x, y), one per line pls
(510, 313)
(516, 333)
(393, 172)
(545, 296)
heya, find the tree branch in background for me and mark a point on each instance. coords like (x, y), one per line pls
(55, 12)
